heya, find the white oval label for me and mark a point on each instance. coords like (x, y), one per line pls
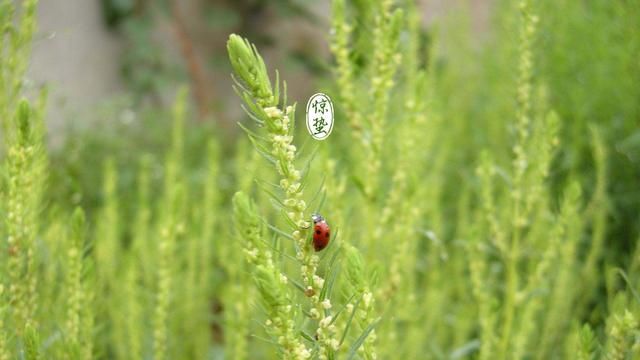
(319, 116)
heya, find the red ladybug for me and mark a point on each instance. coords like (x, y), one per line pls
(321, 232)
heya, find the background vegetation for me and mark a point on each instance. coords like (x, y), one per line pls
(481, 191)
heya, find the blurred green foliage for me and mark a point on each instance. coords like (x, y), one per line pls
(480, 184)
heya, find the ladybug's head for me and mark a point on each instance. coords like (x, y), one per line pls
(317, 218)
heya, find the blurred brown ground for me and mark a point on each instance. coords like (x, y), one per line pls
(78, 57)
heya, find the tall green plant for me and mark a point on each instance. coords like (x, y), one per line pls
(275, 144)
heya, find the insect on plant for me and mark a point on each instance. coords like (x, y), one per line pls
(321, 232)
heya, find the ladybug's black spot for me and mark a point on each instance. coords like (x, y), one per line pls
(318, 232)
(326, 235)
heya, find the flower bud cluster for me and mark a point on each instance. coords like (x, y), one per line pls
(272, 284)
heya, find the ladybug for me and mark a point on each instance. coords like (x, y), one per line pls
(321, 232)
